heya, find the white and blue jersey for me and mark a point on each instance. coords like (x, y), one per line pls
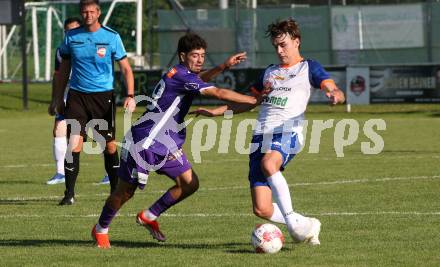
(280, 120)
(92, 55)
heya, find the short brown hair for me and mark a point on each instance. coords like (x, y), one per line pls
(83, 3)
(288, 26)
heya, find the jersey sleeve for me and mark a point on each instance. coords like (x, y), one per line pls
(258, 86)
(119, 52)
(64, 48)
(57, 61)
(317, 74)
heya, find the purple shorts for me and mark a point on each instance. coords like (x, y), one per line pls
(135, 171)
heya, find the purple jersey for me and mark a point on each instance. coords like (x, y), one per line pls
(161, 128)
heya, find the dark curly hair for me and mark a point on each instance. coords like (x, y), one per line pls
(189, 42)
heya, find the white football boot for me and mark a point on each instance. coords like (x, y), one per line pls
(312, 237)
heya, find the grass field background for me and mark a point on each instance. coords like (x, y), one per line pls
(376, 210)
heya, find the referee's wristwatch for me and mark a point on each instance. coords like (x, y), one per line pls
(130, 95)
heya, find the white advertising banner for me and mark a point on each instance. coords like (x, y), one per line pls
(377, 27)
(398, 26)
(358, 85)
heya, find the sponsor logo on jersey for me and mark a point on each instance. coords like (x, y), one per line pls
(191, 86)
(276, 101)
(278, 77)
(283, 88)
(171, 72)
(101, 52)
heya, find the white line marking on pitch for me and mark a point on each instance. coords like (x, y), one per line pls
(207, 215)
(357, 181)
(226, 188)
(34, 165)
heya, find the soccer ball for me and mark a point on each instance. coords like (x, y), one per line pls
(267, 238)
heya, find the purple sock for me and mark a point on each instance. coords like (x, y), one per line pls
(107, 216)
(162, 204)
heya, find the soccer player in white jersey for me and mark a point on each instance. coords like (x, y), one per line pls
(278, 134)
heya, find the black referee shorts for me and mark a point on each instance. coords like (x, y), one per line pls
(91, 110)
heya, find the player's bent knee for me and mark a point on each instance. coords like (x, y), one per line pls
(262, 213)
(124, 190)
(191, 187)
(188, 182)
(194, 183)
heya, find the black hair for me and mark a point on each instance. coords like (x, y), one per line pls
(71, 20)
(189, 42)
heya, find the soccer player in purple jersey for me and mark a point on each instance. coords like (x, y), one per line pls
(154, 142)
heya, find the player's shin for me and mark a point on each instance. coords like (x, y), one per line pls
(107, 215)
(298, 225)
(59, 151)
(160, 206)
(111, 162)
(71, 170)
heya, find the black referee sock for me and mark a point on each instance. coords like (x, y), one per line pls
(111, 162)
(71, 173)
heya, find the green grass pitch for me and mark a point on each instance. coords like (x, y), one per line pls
(376, 210)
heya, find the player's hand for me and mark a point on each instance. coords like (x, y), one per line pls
(204, 112)
(336, 96)
(59, 107)
(51, 108)
(235, 59)
(130, 104)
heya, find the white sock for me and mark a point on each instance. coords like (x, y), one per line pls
(150, 216)
(100, 229)
(277, 215)
(298, 225)
(59, 152)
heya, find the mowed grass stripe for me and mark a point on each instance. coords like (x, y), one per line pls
(201, 215)
(228, 188)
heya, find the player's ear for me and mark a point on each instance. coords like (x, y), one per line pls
(297, 42)
(182, 57)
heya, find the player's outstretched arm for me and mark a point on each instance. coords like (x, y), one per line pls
(129, 102)
(60, 83)
(233, 60)
(210, 112)
(229, 95)
(332, 91)
(219, 111)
